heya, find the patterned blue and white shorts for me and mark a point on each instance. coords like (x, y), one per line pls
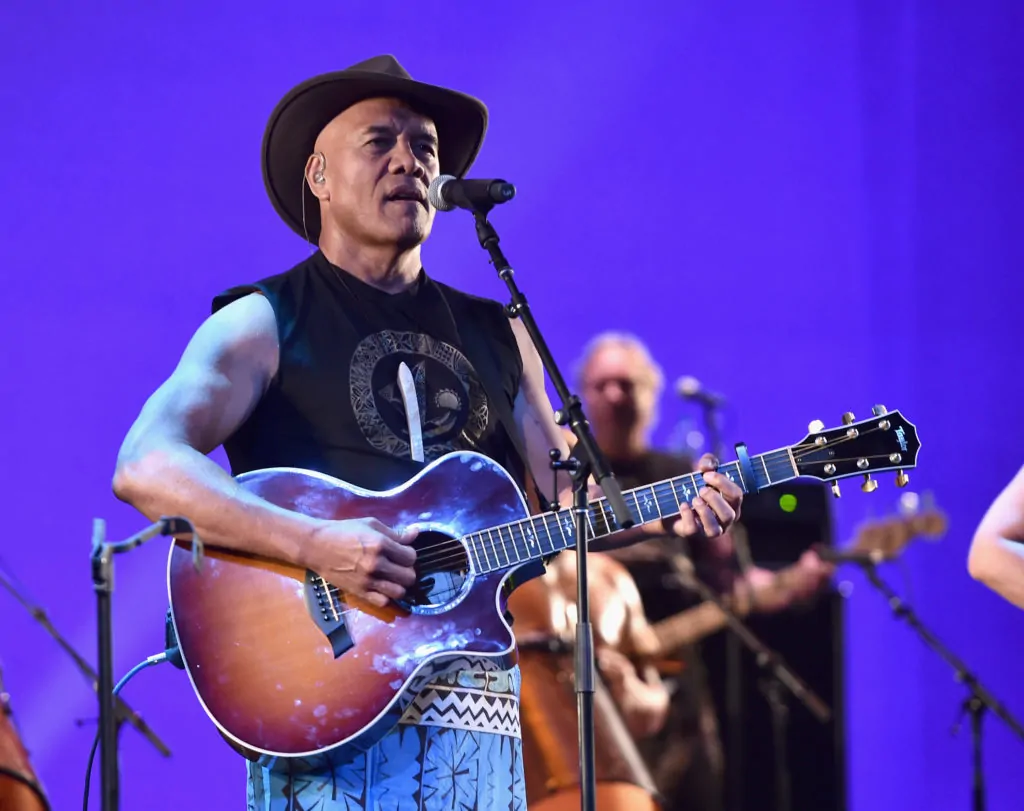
(458, 746)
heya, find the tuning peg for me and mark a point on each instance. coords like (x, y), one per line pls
(835, 489)
(848, 418)
(816, 427)
(870, 485)
(879, 410)
(902, 479)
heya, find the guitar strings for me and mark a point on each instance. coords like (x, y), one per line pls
(442, 555)
(452, 551)
(684, 622)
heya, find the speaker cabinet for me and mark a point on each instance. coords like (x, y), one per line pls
(780, 525)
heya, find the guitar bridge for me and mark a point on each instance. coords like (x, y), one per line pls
(327, 611)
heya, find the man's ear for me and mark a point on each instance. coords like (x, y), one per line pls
(316, 166)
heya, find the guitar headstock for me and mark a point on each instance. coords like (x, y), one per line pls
(886, 441)
(887, 537)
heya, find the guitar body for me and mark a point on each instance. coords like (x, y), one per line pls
(19, 788)
(284, 665)
(287, 666)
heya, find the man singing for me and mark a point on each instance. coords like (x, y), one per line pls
(326, 367)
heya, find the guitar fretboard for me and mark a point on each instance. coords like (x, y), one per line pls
(501, 547)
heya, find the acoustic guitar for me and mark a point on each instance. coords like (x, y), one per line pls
(20, 789)
(285, 664)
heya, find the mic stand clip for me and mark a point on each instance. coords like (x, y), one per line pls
(587, 460)
(102, 558)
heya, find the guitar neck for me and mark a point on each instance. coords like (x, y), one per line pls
(693, 624)
(508, 545)
(688, 627)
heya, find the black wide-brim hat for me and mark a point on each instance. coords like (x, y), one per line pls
(299, 117)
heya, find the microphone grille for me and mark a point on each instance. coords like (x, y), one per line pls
(688, 386)
(434, 195)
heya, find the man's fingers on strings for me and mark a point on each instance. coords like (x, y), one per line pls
(708, 522)
(390, 590)
(719, 506)
(686, 524)
(404, 576)
(724, 485)
(400, 553)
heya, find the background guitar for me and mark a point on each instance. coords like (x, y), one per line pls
(878, 540)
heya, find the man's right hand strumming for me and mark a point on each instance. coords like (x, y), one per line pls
(364, 558)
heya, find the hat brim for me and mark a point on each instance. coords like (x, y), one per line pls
(299, 117)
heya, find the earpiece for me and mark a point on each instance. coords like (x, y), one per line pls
(318, 177)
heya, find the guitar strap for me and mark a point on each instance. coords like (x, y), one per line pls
(478, 345)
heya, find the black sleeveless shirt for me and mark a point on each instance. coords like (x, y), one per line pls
(335, 405)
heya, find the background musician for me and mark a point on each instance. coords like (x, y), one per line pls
(620, 384)
(997, 549)
(545, 621)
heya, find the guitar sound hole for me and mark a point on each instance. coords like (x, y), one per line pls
(442, 568)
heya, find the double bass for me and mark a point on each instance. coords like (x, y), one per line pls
(20, 789)
(544, 612)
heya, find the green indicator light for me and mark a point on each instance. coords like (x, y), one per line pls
(787, 502)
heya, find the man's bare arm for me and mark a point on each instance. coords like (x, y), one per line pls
(162, 468)
(997, 549)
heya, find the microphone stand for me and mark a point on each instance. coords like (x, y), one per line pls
(734, 649)
(776, 675)
(978, 699)
(102, 558)
(586, 461)
(124, 712)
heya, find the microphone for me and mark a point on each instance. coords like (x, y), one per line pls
(447, 192)
(689, 388)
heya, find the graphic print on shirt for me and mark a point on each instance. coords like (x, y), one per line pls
(451, 400)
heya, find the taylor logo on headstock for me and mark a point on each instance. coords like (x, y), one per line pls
(886, 441)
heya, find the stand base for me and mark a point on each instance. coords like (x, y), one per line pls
(774, 695)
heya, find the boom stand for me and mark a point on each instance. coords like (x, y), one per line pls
(978, 699)
(776, 676)
(734, 649)
(103, 583)
(124, 712)
(588, 460)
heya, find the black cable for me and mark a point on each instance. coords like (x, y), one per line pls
(152, 660)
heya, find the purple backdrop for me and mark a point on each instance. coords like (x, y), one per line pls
(813, 207)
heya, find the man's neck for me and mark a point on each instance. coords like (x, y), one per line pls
(387, 267)
(622, 446)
